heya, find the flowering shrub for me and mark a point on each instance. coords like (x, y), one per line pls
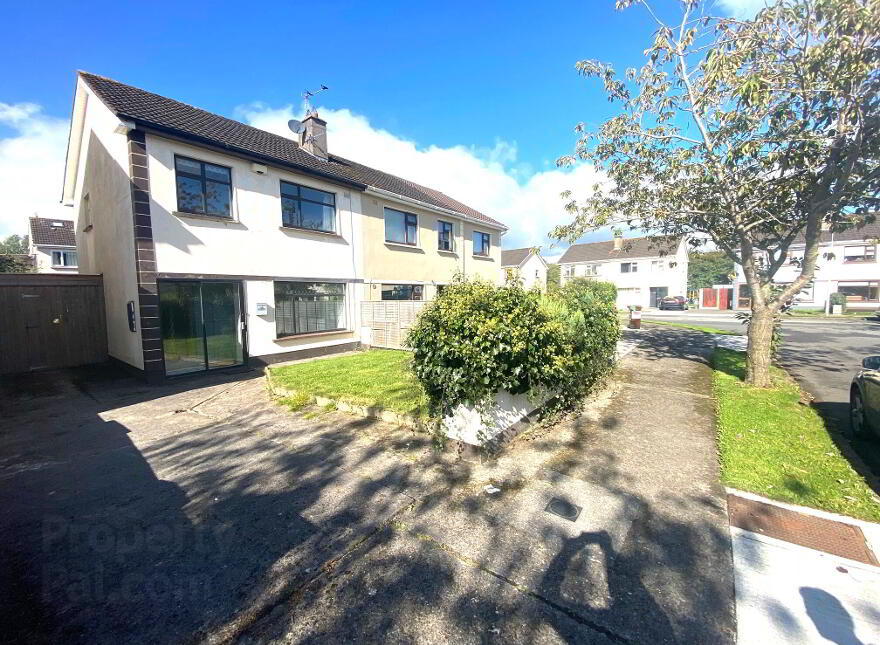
(476, 339)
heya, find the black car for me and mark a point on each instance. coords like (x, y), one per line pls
(864, 398)
(673, 302)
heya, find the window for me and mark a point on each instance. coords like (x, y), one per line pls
(402, 292)
(308, 208)
(629, 267)
(401, 228)
(444, 236)
(569, 271)
(64, 258)
(591, 269)
(860, 291)
(657, 265)
(481, 243)
(307, 307)
(861, 253)
(203, 188)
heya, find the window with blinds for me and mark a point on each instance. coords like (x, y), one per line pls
(308, 307)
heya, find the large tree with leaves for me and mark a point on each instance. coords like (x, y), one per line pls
(756, 132)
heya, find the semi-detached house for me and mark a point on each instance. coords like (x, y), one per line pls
(643, 269)
(221, 244)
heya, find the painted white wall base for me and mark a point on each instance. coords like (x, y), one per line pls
(469, 426)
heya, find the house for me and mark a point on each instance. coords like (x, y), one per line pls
(53, 245)
(644, 269)
(526, 265)
(222, 245)
(847, 264)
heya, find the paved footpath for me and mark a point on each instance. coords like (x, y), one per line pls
(645, 558)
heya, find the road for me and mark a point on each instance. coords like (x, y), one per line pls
(823, 355)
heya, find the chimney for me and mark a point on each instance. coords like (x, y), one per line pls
(618, 242)
(314, 136)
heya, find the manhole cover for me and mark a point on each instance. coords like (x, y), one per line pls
(563, 509)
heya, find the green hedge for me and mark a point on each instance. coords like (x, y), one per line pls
(478, 338)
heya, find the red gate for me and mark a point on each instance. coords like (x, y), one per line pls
(709, 299)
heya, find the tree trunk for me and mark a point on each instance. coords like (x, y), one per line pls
(760, 347)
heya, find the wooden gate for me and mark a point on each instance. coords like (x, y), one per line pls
(51, 320)
(709, 297)
(389, 321)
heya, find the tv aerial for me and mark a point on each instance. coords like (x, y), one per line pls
(297, 126)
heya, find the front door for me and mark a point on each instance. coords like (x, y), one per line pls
(201, 325)
(657, 293)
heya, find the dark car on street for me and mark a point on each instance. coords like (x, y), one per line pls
(864, 398)
(673, 302)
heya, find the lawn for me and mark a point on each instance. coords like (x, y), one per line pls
(708, 330)
(813, 313)
(378, 377)
(774, 445)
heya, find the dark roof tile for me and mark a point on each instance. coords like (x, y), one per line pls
(638, 247)
(153, 110)
(46, 231)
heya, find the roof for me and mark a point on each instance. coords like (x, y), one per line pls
(45, 232)
(515, 257)
(637, 247)
(173, 117)
(867, 232)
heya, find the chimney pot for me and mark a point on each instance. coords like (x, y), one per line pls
(314, 136)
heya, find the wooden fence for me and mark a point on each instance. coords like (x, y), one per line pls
(389, 321)
(51, 320)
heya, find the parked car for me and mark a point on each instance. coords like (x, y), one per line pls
(673, 302)
(864, 398)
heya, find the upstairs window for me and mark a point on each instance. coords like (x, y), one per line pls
(307, 208)
(308, 307)
(203, 188)
(629, 267)
(66, 259)
(657, 265)
(481, 243)
(861, 253)
(401, 228)
(444, 236)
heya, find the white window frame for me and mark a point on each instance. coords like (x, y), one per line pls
(633, 267)
(591, 269)
(864, 257)
(63, 254)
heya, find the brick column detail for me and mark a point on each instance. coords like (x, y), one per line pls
(145, 257)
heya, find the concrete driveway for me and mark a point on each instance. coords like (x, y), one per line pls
(206, 512)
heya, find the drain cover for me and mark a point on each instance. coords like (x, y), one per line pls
(563, 509)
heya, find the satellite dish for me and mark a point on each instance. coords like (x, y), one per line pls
(295, 126)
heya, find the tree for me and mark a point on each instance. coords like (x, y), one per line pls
(16, 264)
(554, 279)
(755, 132)
(14, 245)
(708, 268)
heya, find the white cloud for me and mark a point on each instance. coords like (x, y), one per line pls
(743, 8)
(492, 180)
(31, 166)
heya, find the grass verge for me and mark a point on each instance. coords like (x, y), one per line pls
(774, 445)
(377, 378)
(708, 330)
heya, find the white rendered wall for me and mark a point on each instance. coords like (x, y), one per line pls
(43, 259)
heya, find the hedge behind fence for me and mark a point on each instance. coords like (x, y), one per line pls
(477, 338)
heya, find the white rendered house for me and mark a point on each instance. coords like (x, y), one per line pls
(643, 269)
(52, 245)
(222, 245)
(526, 265)
(847, 264)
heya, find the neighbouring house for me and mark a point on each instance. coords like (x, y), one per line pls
(53, 245)
(526, 265)
(221, 244)
(847, 264)
(643, 269)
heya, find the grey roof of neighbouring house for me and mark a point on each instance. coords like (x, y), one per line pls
(637, 247)
(44, 232)
(515, 257)
(867, 232)
(173, 117)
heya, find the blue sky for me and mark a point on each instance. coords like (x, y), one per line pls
(487, 87)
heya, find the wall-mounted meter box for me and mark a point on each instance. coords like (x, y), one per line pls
(262, 309)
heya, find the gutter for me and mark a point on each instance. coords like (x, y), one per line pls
(372, 190)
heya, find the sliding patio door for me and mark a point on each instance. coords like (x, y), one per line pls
(201, 325)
